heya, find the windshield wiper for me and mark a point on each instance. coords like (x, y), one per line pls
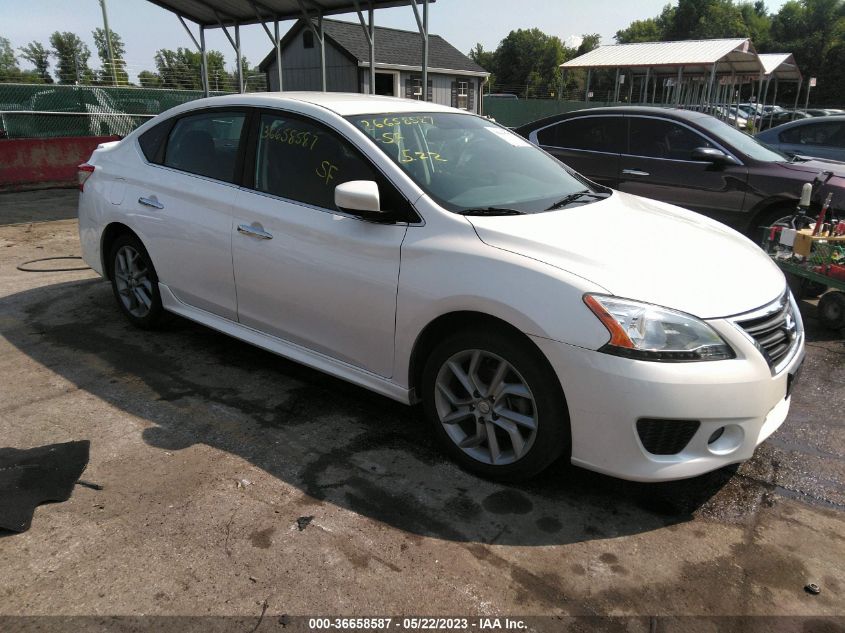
(575, 197)
(490, 211)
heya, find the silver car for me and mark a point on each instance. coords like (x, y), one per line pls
(820, 137)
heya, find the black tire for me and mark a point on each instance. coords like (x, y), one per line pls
(154, 316)
(551, 437)
(831, 310)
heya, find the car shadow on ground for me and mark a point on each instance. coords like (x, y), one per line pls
(335, 442)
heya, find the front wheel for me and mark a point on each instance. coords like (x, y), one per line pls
(135, 283)
(495, 405)
(831, 310)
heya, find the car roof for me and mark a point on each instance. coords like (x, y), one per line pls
(670, 113)
(341, 103)
(816, 120)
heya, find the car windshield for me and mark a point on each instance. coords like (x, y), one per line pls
(471, 165)
(744, 143)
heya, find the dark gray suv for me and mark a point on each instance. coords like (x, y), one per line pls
(686, 158)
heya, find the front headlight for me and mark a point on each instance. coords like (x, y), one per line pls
(648, 332)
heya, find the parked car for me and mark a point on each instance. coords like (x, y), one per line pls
(818, 137)
(781, 117)
(502, 95)
(433, 256)
(685, 158)
(816, 112)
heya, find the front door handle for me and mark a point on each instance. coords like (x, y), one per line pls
(254, 231)
(152, 201)
(635, 172)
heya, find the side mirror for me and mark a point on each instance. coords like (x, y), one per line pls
(358, 196)
(713, 155)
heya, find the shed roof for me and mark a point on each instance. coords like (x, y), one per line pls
(243, 12)
(394, 47)
(780, 65)
(729, 55)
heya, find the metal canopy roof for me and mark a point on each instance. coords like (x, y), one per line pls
(206, 12)
(695, 56)
(781, 66)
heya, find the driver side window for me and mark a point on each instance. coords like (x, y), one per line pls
(301, 160)
(658, 138)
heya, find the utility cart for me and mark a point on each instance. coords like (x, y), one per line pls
(810, 250)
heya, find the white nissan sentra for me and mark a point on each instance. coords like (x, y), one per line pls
(433, 256)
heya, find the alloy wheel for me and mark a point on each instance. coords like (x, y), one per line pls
(486, 407)
(132, 279)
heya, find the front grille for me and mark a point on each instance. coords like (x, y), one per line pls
(666, 437)
(774, 330)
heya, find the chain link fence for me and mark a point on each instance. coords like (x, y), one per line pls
(46, 111)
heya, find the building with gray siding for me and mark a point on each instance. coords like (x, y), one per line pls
(453, 78)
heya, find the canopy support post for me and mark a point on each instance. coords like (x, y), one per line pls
(774, 102)
(204, 63)
(201, 48)
(422, 25)
(236, 44)
(710, 86)
(278, 52)
(369, 34)
(797, 94)
(616, 87)
(587, 85)
(678, 86)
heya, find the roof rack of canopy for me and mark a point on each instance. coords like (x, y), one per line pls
(230, 15)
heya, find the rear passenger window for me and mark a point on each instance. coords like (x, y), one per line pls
(152, 141)
(597, 134)
(657, 138)
(830, 134)
(301, 160)
(206, 144)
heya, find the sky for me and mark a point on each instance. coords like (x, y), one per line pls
(146, 28)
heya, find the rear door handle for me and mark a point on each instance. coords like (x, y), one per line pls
(151, 202)
(254, 231)
(635, 172)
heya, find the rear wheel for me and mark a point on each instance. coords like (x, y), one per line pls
(831, 310)
(135, 283)
(495, 405)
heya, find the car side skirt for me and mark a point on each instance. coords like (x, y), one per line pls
(291, 351)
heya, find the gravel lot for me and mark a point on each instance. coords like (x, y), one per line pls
(213, 454)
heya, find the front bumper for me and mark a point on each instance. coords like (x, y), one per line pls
(606, 395)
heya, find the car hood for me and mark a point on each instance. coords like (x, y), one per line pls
(815, 165)
(645, 250)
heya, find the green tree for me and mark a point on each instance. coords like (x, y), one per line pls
(182, 69)
(487, 60)
(149, 79)
(647, 30)
(9, 70)
(528, 60)
(119, 52)
(72, 55)
(39, 56)
(588, 42)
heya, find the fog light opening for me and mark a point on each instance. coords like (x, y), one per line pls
(726, 439)
(716, 435)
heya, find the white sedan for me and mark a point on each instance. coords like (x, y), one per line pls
(433, 256)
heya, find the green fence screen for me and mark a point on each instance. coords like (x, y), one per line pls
(516, 112)
(42, 111)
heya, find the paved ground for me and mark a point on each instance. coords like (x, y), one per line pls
(210, 452)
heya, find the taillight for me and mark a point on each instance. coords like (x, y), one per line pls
(83, 173)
